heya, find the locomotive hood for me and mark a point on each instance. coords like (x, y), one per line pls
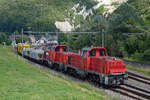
(111, 58)
(115, 65)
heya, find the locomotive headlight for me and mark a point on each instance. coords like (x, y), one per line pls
(47, 53)
(114, 58)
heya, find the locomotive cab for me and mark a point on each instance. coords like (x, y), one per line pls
(48, 54)
(98, 52)
(55, 54)
(94, 52)
(61, 48)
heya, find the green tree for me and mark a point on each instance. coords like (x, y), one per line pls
(4, 39)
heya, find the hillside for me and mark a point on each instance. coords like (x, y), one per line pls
(20, 80)
(39, 15)
(42, 15)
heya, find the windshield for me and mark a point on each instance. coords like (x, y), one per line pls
(64, 49)
(57, 49)
(93, 53)
(102, 52)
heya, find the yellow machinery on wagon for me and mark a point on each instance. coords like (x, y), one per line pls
(20, 46)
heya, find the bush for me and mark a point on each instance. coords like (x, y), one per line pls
(4, 39)
(146, 54)
(137, 56)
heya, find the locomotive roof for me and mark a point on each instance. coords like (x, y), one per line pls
(91, 48)
(61, 46)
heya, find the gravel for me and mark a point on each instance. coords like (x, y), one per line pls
(120, 96)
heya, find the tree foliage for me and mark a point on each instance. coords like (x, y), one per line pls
(4, 39)
(123, 20)
(40, 15)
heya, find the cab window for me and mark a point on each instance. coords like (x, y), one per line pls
(93, 53)
(57, 49)
(64, 49)
(85, 54)
(102, 52)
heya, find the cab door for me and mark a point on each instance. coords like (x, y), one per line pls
(84, 59)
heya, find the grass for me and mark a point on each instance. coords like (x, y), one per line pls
(145, 71)
(19, 80)
(138, 60)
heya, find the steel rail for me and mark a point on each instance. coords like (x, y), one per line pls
(124, 93)
(136, 93)
(139, 78)
(137, 88)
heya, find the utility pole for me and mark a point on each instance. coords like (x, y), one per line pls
(22, 38)
(102, 37)
(15, 37)
(13, 40)
(57, 35)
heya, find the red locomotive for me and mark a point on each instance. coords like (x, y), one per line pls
(93, 63)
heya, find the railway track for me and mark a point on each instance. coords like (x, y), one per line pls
(137, 88)
(135, 92)
(139, 78)
(125, 93)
